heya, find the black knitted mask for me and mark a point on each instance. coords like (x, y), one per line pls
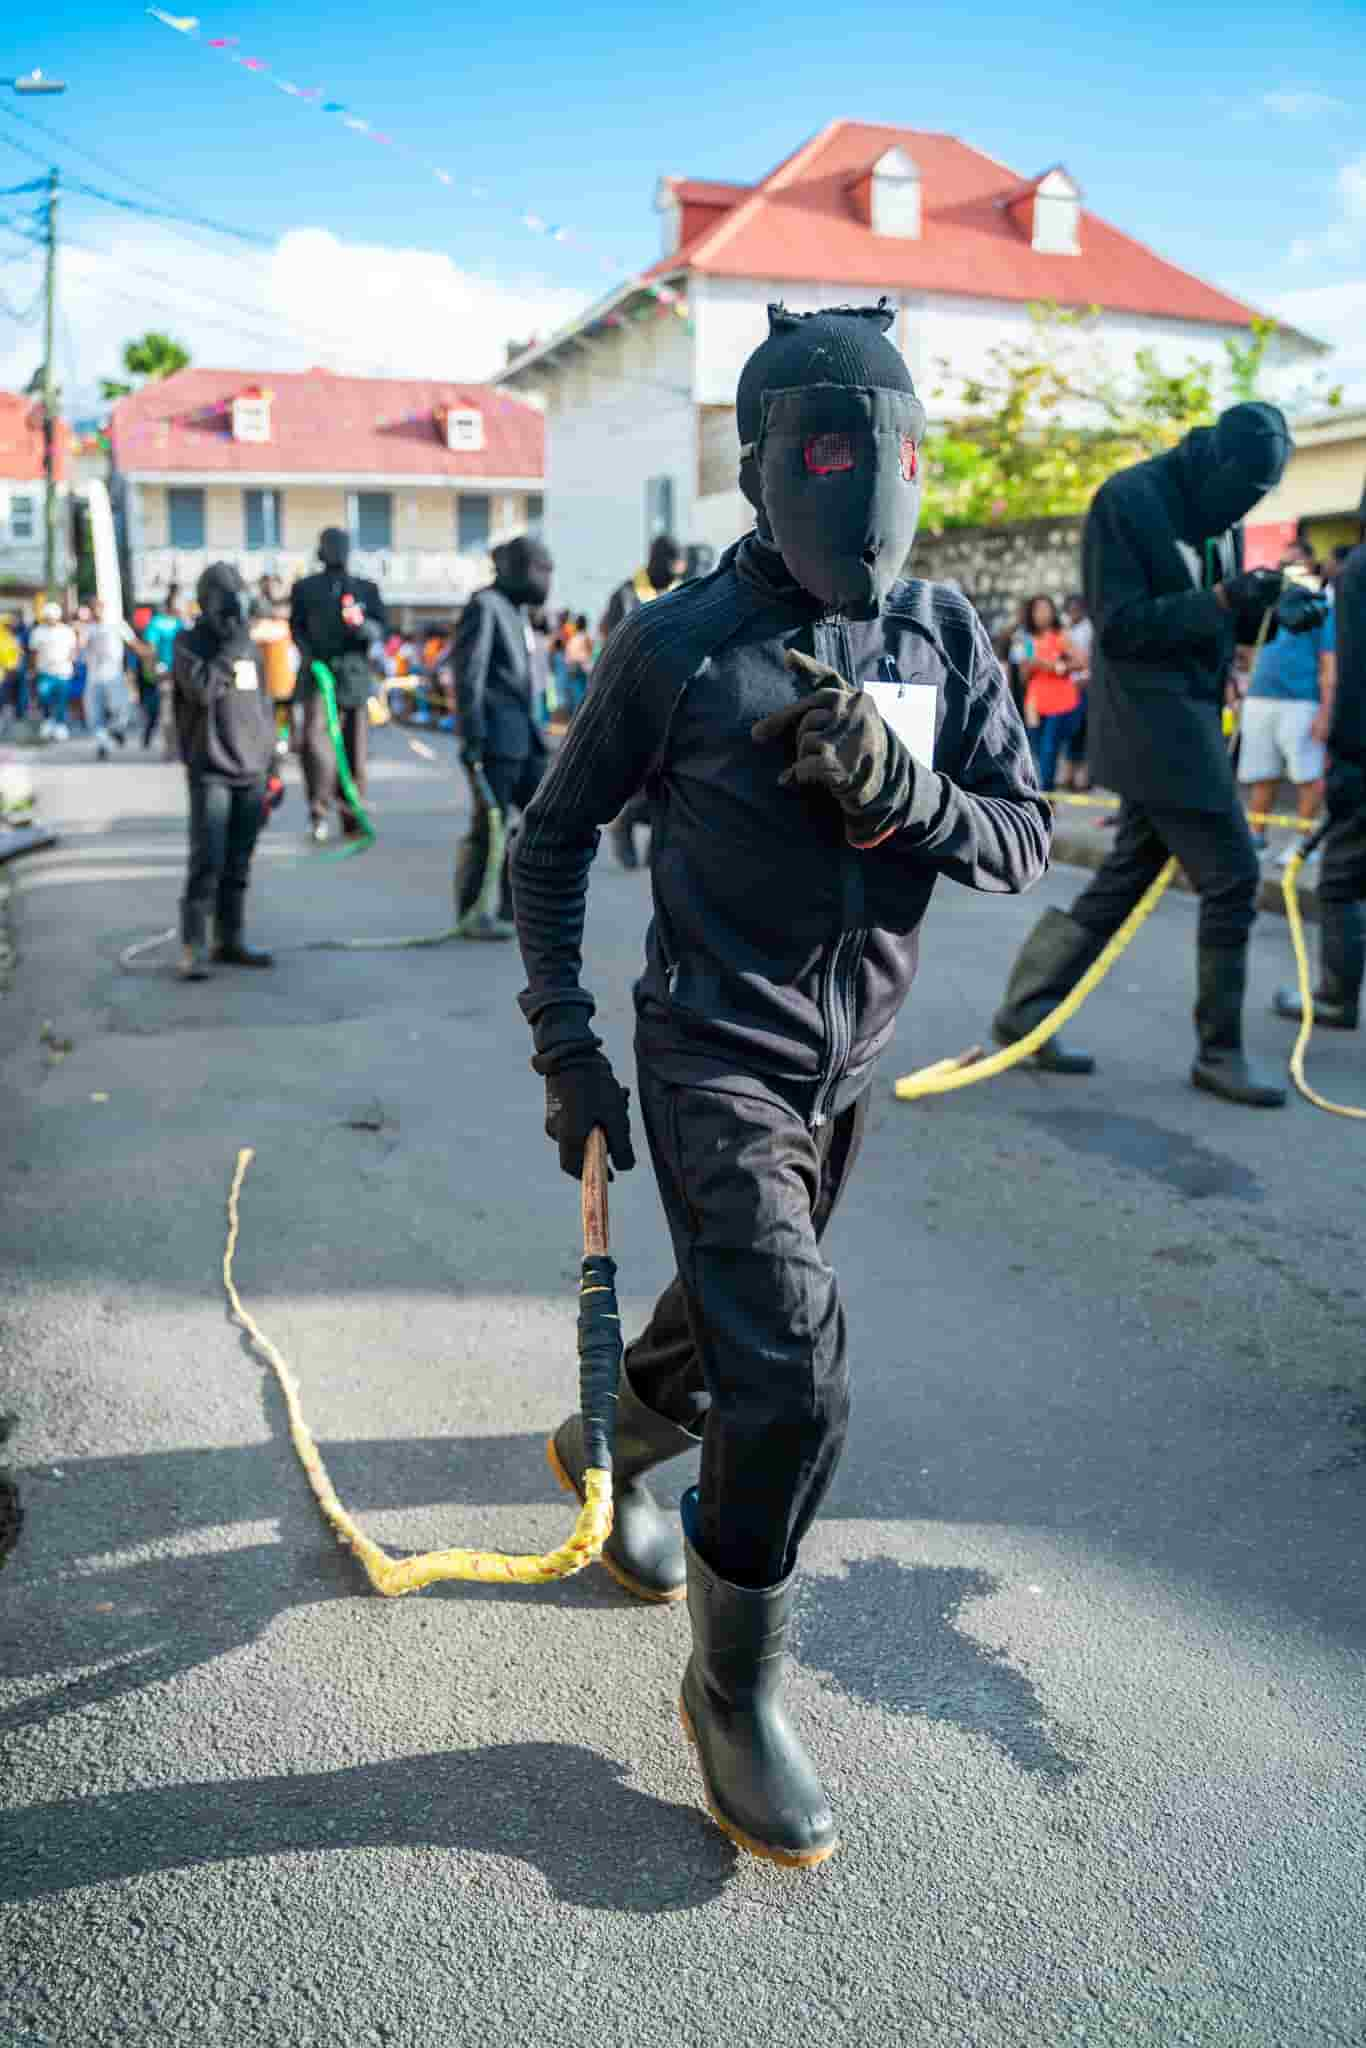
(830, 432)
(661, 562)
(222, 600)
(1231, 466)
(522, 570)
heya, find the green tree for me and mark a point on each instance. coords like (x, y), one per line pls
(152, 356)
(1052, 418)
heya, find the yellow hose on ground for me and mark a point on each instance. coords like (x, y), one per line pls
(1296, 923)
(965, 1068)
(394, 1576)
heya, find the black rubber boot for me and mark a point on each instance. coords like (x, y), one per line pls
(761, 1786)
(194, 961)
(1220, 1068)
(644, 1552)
(232, 950)
(1342, 968)
(1048, 967)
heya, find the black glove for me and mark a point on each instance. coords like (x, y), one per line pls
(1249, 598)
(580, 1097)
(844, 746)
(1300, 610)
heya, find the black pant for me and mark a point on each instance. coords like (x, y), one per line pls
(224, 822)
(1342, 874)
(748, 1341)
(1215, 849)
(149, 698)
(513, 785)
(318, 759)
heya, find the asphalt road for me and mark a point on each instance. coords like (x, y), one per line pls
(1082, 1624)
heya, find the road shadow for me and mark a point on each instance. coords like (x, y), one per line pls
(890, 1634)
(561, 1808)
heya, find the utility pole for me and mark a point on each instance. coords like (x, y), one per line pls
(50, 393)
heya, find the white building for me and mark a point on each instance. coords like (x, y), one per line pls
(639, 393)
(223, 465)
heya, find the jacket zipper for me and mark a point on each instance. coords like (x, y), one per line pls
(837, 979)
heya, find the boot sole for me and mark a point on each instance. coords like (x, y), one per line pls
(790, 1859)
(1269, 1101)
(648, 1594)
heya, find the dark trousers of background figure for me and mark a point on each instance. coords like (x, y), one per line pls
(1342, 870)
(318, 759)
(1053, 737)
(224, 823)
(514, 784)
(1215, 849)
(149, 699)
(748, 1341)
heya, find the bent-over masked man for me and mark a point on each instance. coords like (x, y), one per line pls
(1342, 874)
(1161, 561)
(227, 742)
(500, 672)
(822, 740)
(665, 568)
(334, 617)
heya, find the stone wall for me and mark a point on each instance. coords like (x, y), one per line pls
(997, 566)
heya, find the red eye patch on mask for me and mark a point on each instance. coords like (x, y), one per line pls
(828, 454)
(910, 459)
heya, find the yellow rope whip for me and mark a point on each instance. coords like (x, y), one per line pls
(394, 1576)
(1290, 883)
(966, 1067)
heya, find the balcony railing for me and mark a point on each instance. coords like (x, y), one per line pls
(425, 576)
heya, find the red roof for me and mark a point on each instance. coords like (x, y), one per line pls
(801, 224)
(323, 425)
(21, 439)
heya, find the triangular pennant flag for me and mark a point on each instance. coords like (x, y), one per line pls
(183, 24)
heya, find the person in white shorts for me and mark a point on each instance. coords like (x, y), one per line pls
(1286, 716)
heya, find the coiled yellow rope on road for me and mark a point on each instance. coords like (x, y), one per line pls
(1293, 918)
(966, 1067)
(394, 1576)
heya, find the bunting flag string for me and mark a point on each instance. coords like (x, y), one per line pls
(665, 297)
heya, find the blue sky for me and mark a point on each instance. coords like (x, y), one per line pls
(1236, 146)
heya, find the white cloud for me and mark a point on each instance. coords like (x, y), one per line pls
(1351, 183)
(1300, 105)
(314, 298)
(1341, 239)
(1335, 313)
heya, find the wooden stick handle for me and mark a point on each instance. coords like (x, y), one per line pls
(596, 1239)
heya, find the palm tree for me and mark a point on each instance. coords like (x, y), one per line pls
(149, 358)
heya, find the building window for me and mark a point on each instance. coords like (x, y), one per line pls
(185, 517)
(659, 507)
(1057, 216)
(464, 430)
(535, 513)
(473, 522)
(23, 520)
(264, 519)
(895, 198)
(372, 520)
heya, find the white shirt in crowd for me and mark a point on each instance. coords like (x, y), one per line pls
(54, 651)
(104, 651)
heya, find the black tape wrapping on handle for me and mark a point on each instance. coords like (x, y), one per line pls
(599, 1358)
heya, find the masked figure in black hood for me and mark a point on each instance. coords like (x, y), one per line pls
(227, 742)
(1342, 874)
(665, 568)
(501, 670)
(1162, 555)
(335, 617)
(821, 741)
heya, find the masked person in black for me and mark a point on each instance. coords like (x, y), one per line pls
(1169, 601)
(1342, 874)
(227, 742)
(501, 670)
(786, 712)
(665, 568)
(334, 617)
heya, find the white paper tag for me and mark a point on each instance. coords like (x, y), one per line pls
(244, 676)
(909, 709)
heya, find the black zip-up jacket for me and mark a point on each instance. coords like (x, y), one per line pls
(1347, 737)
(495, 681)
(1163, 642)
(778, 953)
(223, 722)
(321, 634)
